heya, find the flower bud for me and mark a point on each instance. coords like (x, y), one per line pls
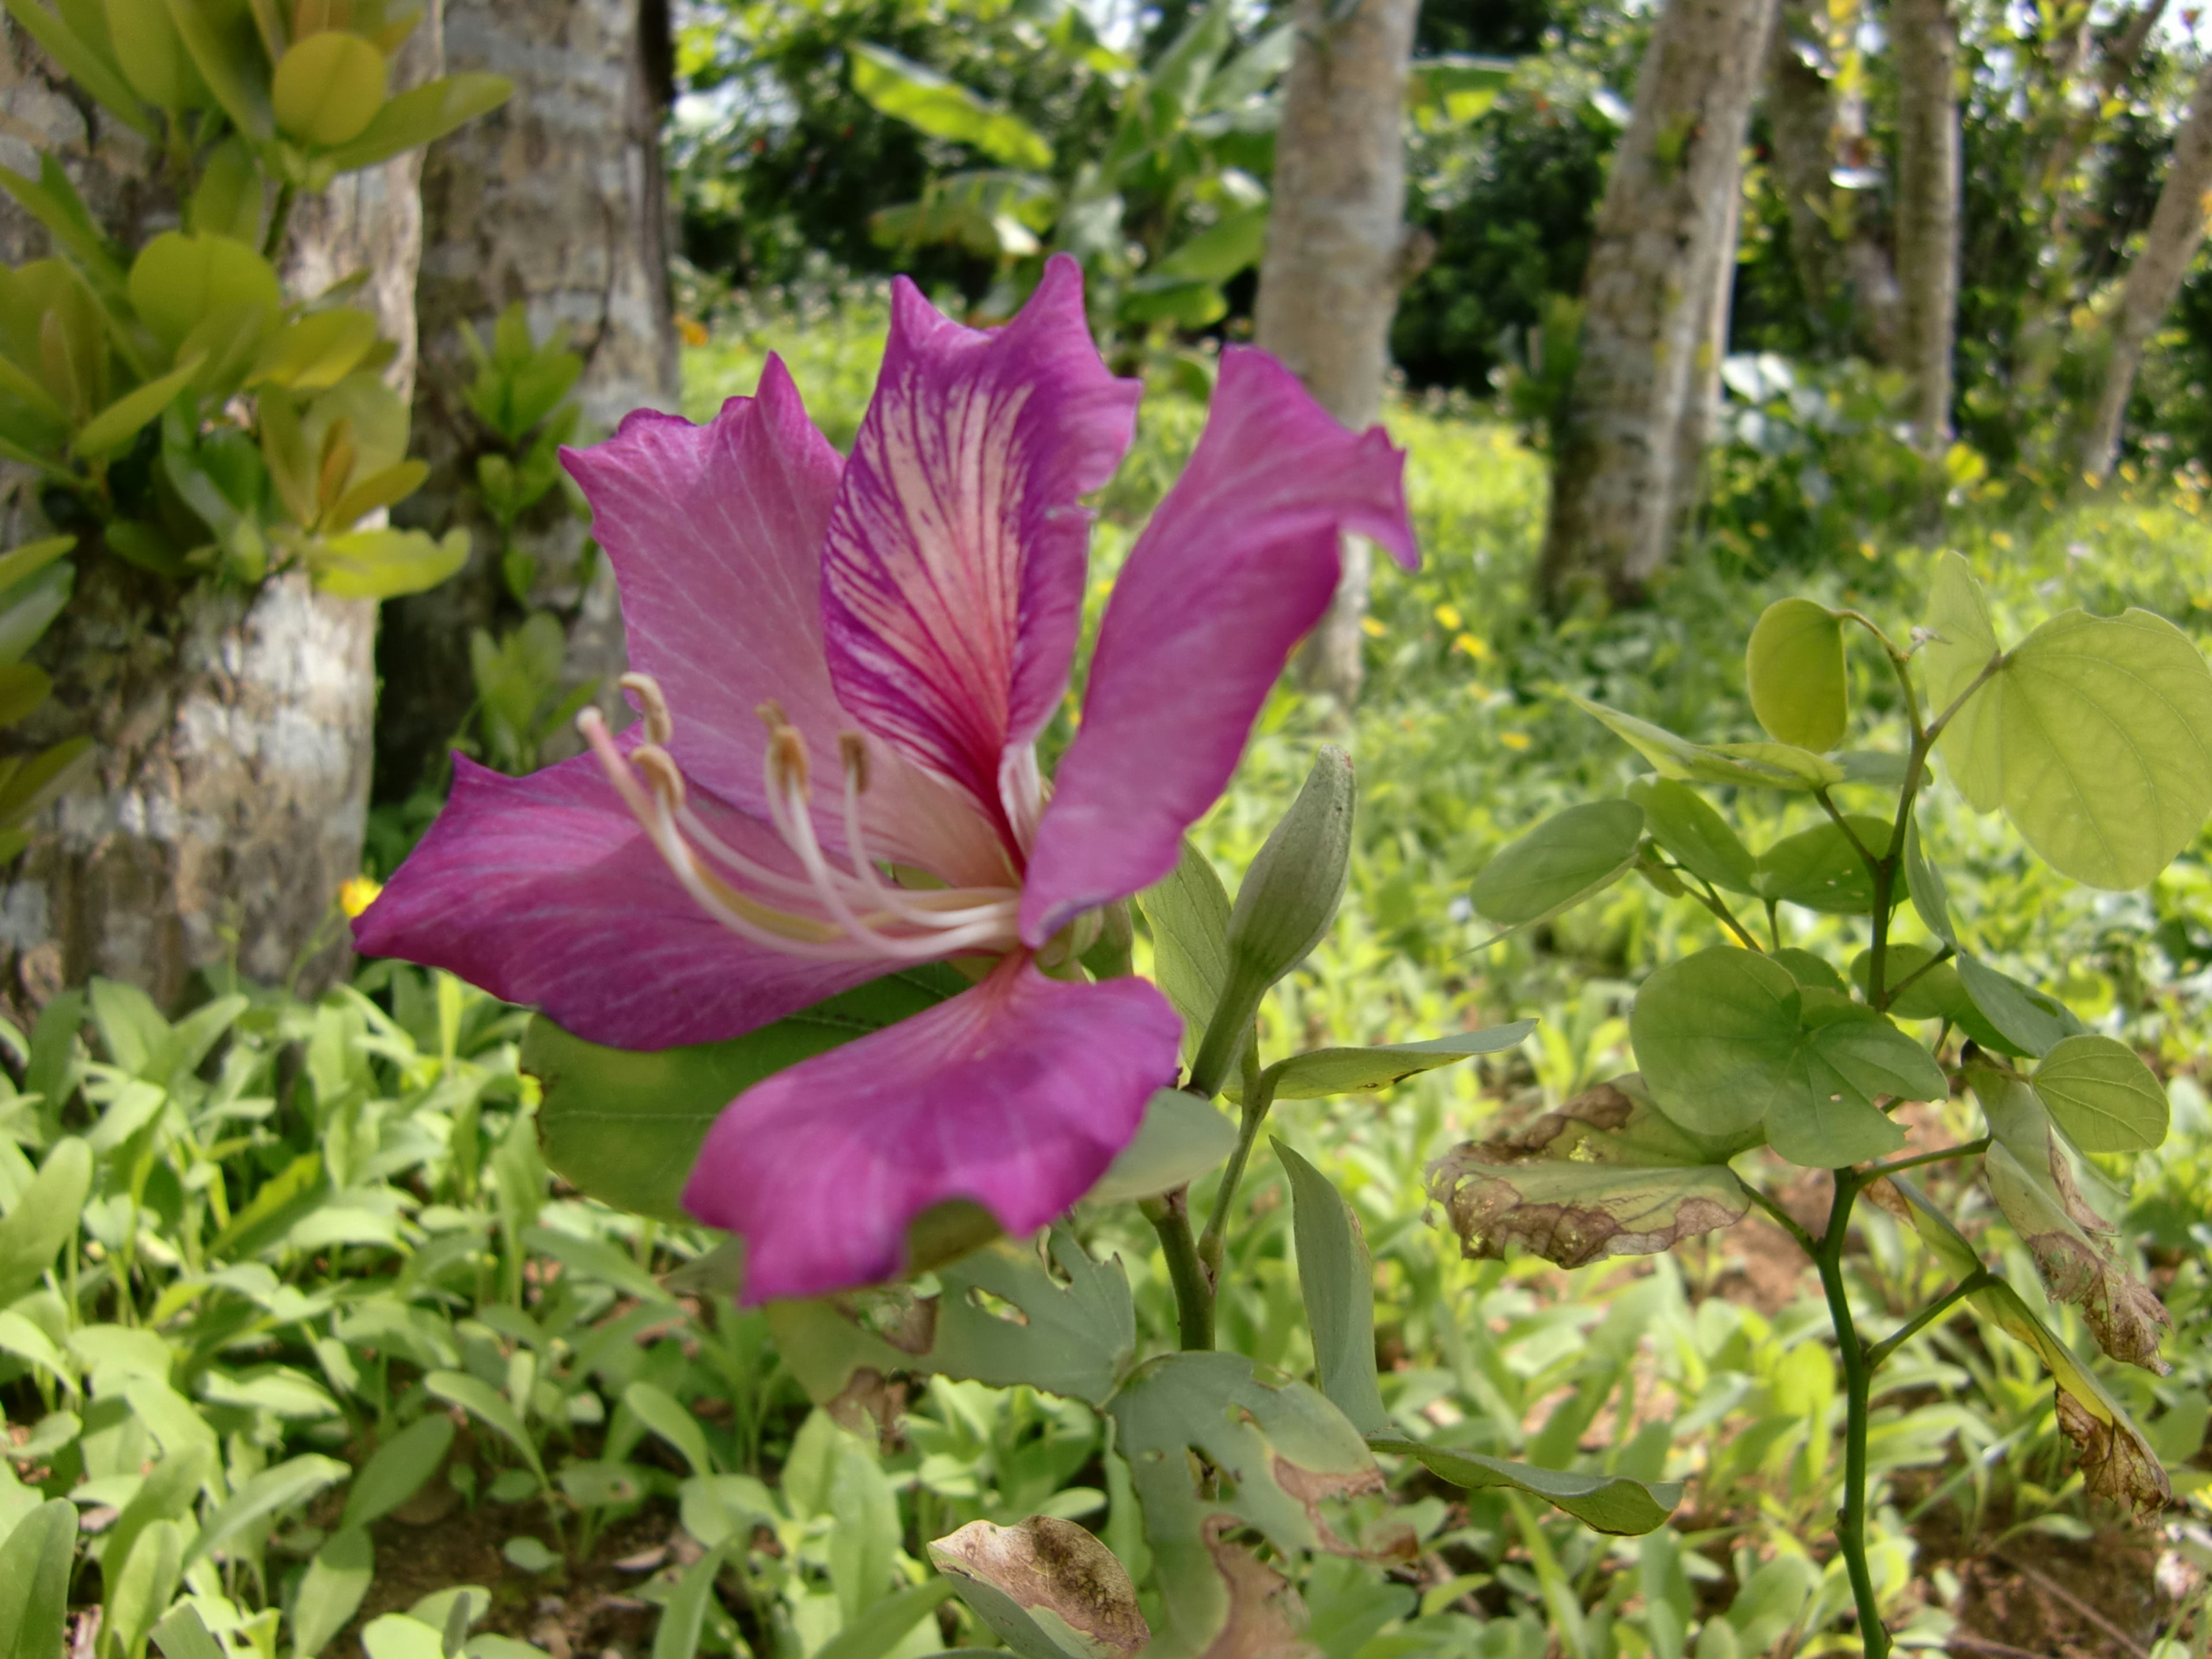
(1289, 897)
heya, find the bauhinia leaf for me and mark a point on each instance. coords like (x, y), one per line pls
(1179, 1138)
(1321, 1072)
(1567, 858)
(1607, 1174)
(1751, 765)
(1336, 1280)
(1822, 868)
(1604, 1502)
(1188, 911)
(1699, 839)
(2117, 1461)
(2027, 1020)
(1795, 668)
(1049, 1589)
(2103, 1095)
(1276, 1457)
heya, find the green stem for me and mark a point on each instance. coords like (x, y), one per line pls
(1934, 962)
(280, 223)
(1170, 1214)
(1850, 1522)
(1226, 1033)
(1928, 1315)
(1710, 898)
(1259, 1097)
(1875, 1172)
(1783, 1220)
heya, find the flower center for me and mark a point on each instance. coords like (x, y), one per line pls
(827, 912)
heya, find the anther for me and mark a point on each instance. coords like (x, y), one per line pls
(853, 750)
(787, 759)
(659, 723)
(661, 772)
(772, 716)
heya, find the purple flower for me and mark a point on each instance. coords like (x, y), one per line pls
(842, 668)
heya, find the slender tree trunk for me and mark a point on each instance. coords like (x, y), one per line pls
(556, 200)
(225, 799)
(2154, 279)
(1924, 45)
(1845, 274)
(1336, 253)
(1664, 233)
(1714, 277)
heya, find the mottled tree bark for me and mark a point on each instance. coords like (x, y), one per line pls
(1336, 253)
(1664, 232)
(556, 200)
(225, 799)
(2154, 280)
(1924, 46)
(1846, 273)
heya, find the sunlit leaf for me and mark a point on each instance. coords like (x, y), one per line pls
(1570, 857)
(1697, 838)
(1795, 666)
(328, 88)
(1752, 765)
(925, 100)
(2103, 1095)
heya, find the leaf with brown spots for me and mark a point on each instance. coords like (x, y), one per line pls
(1047, 1587)
(1607, 1174)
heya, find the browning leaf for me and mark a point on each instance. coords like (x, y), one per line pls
(2115, 1464)
(1265, 1617)
(1045, 1578)
(1607, 1174)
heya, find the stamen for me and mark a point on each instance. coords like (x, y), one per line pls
(659, 723)
(853, 750)
(661, 772)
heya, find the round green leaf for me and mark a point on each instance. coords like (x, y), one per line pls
(176, 279)
(152, 55)
(1795, 667)
(1812, 972)
(2099, 1092)
(329, 88)
(1697, 838)
(1820, 869)
(1934, 993)
(1715, 1035)
(1562, 861)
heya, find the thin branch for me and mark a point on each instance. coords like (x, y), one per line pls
(1926, 1317)
(1935, 961)
(1213, 1243)
(1782, 1218)
(1170, 1215)
(1875, 1172)
(1710, 898)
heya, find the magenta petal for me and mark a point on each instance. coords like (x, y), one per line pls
(544, 890)
(1016, 1095)
(1237, 563)
(952, 576)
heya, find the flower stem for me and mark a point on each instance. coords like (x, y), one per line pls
(1170, 1214)
(1259, 1097)
(1858, 1376)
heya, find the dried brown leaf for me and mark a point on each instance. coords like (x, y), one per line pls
(1056, 1573)
(2115, 1464)
(1265, 1617)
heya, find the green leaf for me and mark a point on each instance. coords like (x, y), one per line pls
(2029, 1021)
(684, 1617)
(1931, 899)
(1607, 1174)
(140, 1586)
(35, 1577)
(152, 56)
(1820, 869)
(166, 1495)
(337, 1582)
(182, 1635)
(658, 1411)
(84, 63)
(1180, 1138)
(2095, 737)
(43, 1218)
(1232, 244)
(328, 88)
(883, 1625)
(128, 415)
(1715, 1034)
(1049, 1589)
(488, 1405)
(1826, 1117)
(269, 1494)
(1812, 973)
(1322, 1071)
(1570, 857)
(1077, 1328)
(385, 564)
(53, 202)
(926, 101)
(1935, 993)
(2102, 1095)
(626, 1127)
(596, 1259)
(396, 1470)
(226, 48)
(1962, 641)
(1795, 665)
(421, 117)
(1693, 834)
(1336, 1280)
(1750, 765)
(1188, 910)
(178, 279)
(1604, 1502)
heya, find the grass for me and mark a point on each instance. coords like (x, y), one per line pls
(331, 1362)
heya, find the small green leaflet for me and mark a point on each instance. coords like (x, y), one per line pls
(1322, 1071)
(1604, 1502)
(2103, 1095)
(1795, 668)
(1572, 856)
(1336, 1280)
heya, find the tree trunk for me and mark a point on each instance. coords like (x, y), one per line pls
(1845, 274)
(227, 796)
(1714, 277)
(2154, 280)
(556, 200)
(1336, 249)
(1663, 231)
(1924, 44)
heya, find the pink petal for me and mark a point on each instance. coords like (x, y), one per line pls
(952, 579)
(1236, 565)
(1016, 1095)
(715, 535)
(543, 891)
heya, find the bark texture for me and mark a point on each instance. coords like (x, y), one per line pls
(1924, 43)
(227, 795)
(1336, 253)
(1664, 237)
(2154, 278)
(556, 200)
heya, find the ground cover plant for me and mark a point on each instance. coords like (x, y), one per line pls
(407, 1268)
